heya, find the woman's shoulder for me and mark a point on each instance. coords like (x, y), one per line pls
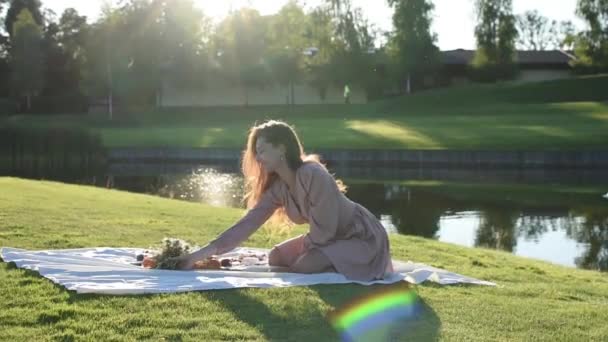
(314, 173)
(312, 168)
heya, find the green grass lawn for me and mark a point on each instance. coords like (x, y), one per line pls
(534, 300)
(566, 114)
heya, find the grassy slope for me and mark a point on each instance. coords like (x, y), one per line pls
(565, 114)
(535, 300)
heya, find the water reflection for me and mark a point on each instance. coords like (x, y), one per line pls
(594, 232)
(497, 228)
(408, 216)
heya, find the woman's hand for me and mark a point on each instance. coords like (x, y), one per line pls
(187, 262)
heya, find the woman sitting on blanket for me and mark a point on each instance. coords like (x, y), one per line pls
(284, 183)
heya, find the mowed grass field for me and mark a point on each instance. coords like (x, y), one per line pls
(534, 300)
(555, 115)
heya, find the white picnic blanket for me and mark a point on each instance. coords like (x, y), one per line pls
(111, 271)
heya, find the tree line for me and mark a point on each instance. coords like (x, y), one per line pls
(58, 63)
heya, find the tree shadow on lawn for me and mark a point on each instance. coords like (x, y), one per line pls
(422, 324)
(539, 126)
(308, 323)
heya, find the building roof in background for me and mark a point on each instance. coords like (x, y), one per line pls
(555, 57)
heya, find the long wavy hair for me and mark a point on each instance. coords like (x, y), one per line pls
(257, 180)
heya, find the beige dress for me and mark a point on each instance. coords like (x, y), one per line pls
(346, 232)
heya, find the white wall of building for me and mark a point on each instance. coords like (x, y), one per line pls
(220, 95)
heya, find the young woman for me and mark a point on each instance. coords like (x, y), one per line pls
(284, 183)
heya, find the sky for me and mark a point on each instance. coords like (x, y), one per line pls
(453, 20)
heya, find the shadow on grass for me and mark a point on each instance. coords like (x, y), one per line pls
(421, 325)
(544, 126)
(307, 324)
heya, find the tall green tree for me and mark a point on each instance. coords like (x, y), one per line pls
(496, 35)
(591, 46)
(142, 38)
(15, 9)
(185, 43)
(319, 70)
(107, 60)
(412, 45)
(287, 42)
(535, 31)
(134, 49)
(167, 43)
(346, 43)
(73, 33)
(26, 57)
(240, 45)
(72, 37)
(563, 35)
(64, 45)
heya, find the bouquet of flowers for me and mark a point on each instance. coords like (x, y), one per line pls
(164, 257)
(172, 248)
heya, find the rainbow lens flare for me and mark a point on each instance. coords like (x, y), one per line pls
(377, 316)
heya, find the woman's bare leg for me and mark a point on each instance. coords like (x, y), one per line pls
(287, 252)
(292, 257)
(313, 261)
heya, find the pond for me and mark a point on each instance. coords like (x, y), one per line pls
(557, 216)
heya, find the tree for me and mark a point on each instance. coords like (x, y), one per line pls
(72, 34)
(15, 9)
(591, 46)
(64, 44)
(495, 34)
(411, 44)
(26, 57)
(320, 71)
(286, 45)
(345, 42)
(185, 48)
(135, 48)
(563, 35)
(240, 42)
(535, 31)
(106, 58)
(72, 37)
